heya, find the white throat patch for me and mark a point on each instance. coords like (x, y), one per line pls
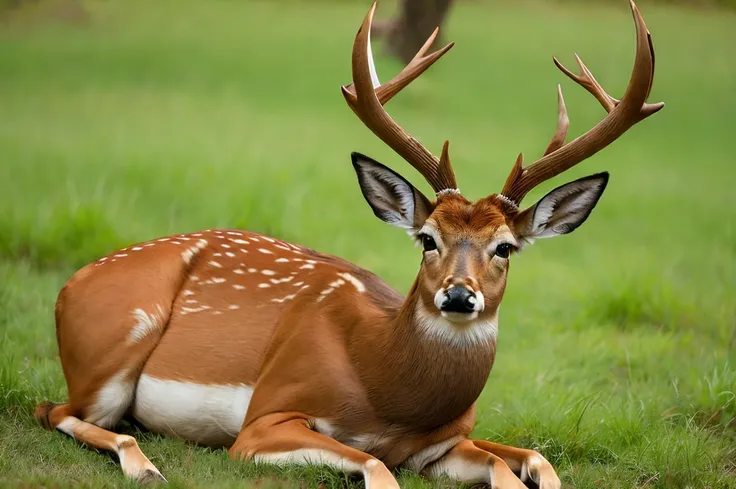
(474, 333)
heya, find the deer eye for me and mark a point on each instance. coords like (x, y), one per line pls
(428, 243)
(503, 250)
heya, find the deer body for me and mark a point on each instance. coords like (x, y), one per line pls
(286, 355)
(200, 358)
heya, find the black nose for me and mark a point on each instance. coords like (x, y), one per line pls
(459, 299)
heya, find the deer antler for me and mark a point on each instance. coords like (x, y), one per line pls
(366, 97)
(622, 115)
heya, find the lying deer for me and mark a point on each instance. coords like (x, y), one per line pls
(290, 356)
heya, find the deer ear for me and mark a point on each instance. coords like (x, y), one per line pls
(562, 210)
(393, 199)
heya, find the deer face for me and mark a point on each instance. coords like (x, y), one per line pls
(467, 246)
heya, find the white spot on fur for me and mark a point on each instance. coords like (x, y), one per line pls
(252, 270)
(282, 247)
(264, 250)
(121, 255)
(270, 240)
(190, 310)
(208, 414)
(175, 242)
(308, 266)
(188, 292)
(217, 254)
(238, 287)
(146, 324)
(281, 280)
(268, 272)
(264, 285)
(191, 301)
(225, 245)
(233, 307)
(325, 293)
(359, 286)
(298, 284)
(230, 254)
(215, 264)
(284, 299)
(282, 260)
(137, 248)
(190, 252)
(254, 238)
(239, 241)
(217, 280)
(234, 233)
(238, 271)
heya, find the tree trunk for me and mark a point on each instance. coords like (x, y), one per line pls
(416, 21)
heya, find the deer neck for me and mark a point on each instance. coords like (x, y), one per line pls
(416, 372)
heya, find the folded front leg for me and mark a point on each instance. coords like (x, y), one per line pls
(467, 463)
(286, 438)
(527, 463)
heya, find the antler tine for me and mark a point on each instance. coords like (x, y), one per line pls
(588, 82)
(366, 98)
(622, 115)
(416, 67)
(563, 123)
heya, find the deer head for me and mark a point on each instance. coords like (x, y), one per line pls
(467, 245)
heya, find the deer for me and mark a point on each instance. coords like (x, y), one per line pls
(283, 355)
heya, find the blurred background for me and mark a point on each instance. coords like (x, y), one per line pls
(122, 121)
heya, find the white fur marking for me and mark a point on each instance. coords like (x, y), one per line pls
(238, 287)
(264, 250)
(282, 260)
(215, 264)
(476, 332)
(356, 283)
(268, 272)
(264, 285)
(113, 399)
(146, 324)
(211, 414)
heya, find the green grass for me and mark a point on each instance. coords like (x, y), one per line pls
(616, 355)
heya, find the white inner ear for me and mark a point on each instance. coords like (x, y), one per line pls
(564, 208)
(394, 197)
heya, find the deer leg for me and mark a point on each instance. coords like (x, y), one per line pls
(528, 463)
(287, 438)
(132, 460)
(467, 463)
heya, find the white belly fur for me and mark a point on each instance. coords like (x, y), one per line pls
(206, 414)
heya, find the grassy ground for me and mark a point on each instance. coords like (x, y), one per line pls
(616, 356)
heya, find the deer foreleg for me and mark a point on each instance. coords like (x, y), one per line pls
(528, 463)
(467, 463)
(287, 438)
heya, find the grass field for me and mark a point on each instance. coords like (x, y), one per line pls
(617, 347)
